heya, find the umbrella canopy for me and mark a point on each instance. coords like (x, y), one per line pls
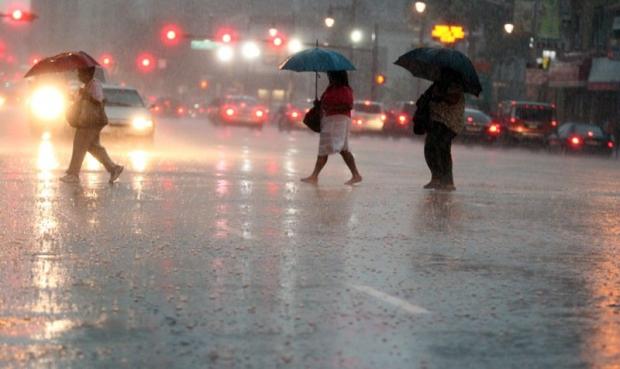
(317, 60)
(428, 63)
(63, 62)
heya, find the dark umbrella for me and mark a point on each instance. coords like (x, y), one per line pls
(428, 62)
(317, 60)
(63, 62)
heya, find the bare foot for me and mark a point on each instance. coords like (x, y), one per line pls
(311, 180)
(354, 180)
(432, 184)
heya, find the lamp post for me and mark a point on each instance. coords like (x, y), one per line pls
(420, 8)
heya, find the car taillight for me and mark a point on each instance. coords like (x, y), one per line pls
(294, 114)
(180, 111)
(383, 117)
(259, 113)
(610, 144)
(402, 119)
(554, 123)
(494, 129)
(575, 140)
(229, 112)
(359, 122)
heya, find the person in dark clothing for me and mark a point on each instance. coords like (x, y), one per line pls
(447, 107)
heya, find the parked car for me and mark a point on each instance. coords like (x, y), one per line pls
(368, 116)
(581, 137)
(479, 127)
(128, 115)
(290, 116)
(527, 121)
(399, 120)
(168, 107)
(238, 109)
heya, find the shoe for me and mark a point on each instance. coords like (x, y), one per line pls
(70, 178)
(116, 172)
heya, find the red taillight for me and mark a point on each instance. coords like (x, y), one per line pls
(610, 144)
(295, 114)
(470, 119)
(494, 129)
(590, 134)
(359, 122)
(576, 141)
(402, 119)
(181, 111)
(554, 123)
(513, 120)
(229, 112)
(259, 113)
(383, 117)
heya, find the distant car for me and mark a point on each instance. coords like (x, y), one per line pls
(167, 107)
(128, 116)
(581, 137)
(368, 116)
(291, 115)
(527, 121)
(400, 119)
(479, 127)
(239, 109)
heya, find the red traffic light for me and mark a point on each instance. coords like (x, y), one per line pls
(226, 35)
(277, 39)
(106, 60)
(19, 15)
(145, 62)
(171, 35)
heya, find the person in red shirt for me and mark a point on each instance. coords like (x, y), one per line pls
(336, 105)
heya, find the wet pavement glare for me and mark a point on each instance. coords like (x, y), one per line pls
(209, 253)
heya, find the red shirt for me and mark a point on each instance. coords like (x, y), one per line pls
(334, 97)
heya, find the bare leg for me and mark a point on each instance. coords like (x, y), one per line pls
(350, 161)
(320, 164)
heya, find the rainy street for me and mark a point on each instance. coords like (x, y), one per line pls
(209, 252)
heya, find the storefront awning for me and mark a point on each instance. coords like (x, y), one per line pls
(604, 75)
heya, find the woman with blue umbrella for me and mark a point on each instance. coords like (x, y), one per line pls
(334, 107)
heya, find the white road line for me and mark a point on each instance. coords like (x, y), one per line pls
(389, 299)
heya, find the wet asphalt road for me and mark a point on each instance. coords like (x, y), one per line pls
(209, 253)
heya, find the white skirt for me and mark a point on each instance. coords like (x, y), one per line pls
(334, 134)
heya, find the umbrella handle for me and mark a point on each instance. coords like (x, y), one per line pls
(316, 86)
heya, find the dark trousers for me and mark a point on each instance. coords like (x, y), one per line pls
(87, 140)
(438, 152)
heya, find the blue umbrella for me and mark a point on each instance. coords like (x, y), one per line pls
(428, 63)
(317, 60)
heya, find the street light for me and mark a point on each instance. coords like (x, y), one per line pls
(295, 46)
(250, 50)
(356, 36)
(420, 6)
(329, 19)
(225, 53)
(509, 28)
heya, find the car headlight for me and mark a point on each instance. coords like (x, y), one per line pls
(141, 123)
(47, 103)
(2, 101)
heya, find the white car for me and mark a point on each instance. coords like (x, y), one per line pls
(127, 113)
(368, 116)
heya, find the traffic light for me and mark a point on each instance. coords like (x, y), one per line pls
(19, 15)
(380, 79)
(276, 39)
(448, 34)
(145, 63)
(171, 35)
(226, 35)
(106, 60)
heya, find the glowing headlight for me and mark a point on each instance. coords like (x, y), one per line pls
(142, 123)
(47, 103)
(2, 101)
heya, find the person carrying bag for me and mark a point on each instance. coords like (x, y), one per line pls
(87, 116)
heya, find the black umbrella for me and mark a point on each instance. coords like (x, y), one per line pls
(428, 63)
